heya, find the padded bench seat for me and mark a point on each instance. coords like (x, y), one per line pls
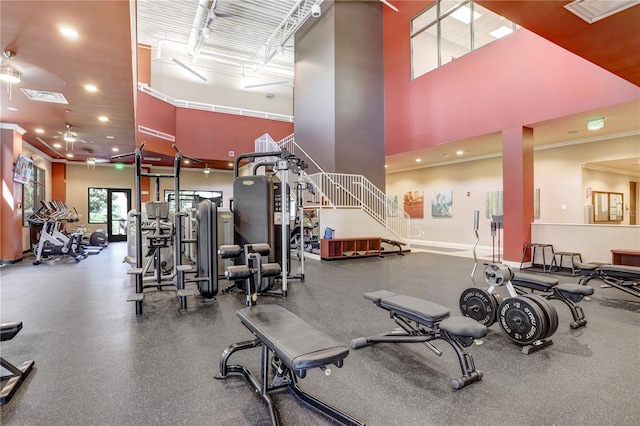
(299, 345)
(296, 347)
(422, 321)
(620, 271)
(534, 282)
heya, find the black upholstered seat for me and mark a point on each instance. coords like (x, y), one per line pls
(298, 345)
(464, 326)
(582, 290)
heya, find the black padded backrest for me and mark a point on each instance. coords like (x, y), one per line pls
(207, 241)
(299, 345)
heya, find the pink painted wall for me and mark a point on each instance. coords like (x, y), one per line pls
(202, 134)
(518, 80)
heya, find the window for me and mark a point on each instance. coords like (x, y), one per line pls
(98, 205)
(190, 198)
(32, 193)
(449, 29)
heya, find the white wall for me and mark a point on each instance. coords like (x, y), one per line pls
(79, 179)
(221, 89)
(558, 172)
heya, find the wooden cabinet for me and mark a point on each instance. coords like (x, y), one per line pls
(345, 248)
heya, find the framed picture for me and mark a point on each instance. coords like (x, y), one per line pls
(442, 204)
(414, 204)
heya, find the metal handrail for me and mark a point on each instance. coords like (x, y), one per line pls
(339, 190)
(202, 106)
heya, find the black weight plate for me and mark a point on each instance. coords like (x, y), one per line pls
(546, 313)
(549, 311)
(521, 320)
(478, 304)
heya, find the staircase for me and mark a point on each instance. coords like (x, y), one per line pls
(341, 191)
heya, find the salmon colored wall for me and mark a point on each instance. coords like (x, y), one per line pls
(10, 197)
(144, 63)
(212, 135)
(59, 181)
(202, 134)
(502, 85)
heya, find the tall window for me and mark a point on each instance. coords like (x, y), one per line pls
(32, 193)
(448, 29)
(97, 205)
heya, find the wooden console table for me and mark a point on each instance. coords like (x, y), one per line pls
(625, 257)
(347, 248)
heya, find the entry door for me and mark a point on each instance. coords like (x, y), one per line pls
(118, 204)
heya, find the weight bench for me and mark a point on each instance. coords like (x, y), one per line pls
(296, 347)
(432, 322)
(568, 293)
(7, 332)
(622, 277)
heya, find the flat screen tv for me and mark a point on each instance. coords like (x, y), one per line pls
(23, 169)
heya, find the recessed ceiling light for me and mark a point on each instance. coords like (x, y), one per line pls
(12, 109)
(69, 32)
(501, 32)
(90, 88)
(69, 155)
(230, 164)
(109, 137)
(103, 118)
(385, 166)
(459, 152)
(115, 149)
(40, 131)
(418, 160)
(463, 15)
(57, 145)
(187, 162)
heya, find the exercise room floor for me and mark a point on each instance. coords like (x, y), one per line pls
(96, 363)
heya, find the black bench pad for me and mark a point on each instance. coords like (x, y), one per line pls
(585, 266)
(298, 345)
(582, 290)
(463, 326)
(620, 271)
(534, 282)
(415, 309)
(9, 330)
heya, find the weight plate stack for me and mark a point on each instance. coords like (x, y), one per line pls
(549, 311)
(522, 320)
(479, 305)
(496, 274)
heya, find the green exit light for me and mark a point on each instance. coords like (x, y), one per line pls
(119, 166)
(595, 124)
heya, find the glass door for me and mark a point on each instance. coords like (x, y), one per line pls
(118, 204)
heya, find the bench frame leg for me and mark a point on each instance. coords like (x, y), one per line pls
(425, 333)
(17, 376)
(284, 378)
(579, 319)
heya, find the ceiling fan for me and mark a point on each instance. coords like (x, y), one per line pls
(15, 70)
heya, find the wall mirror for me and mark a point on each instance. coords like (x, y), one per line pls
(607, 206)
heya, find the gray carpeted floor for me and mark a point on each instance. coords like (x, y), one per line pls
(97, 364)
